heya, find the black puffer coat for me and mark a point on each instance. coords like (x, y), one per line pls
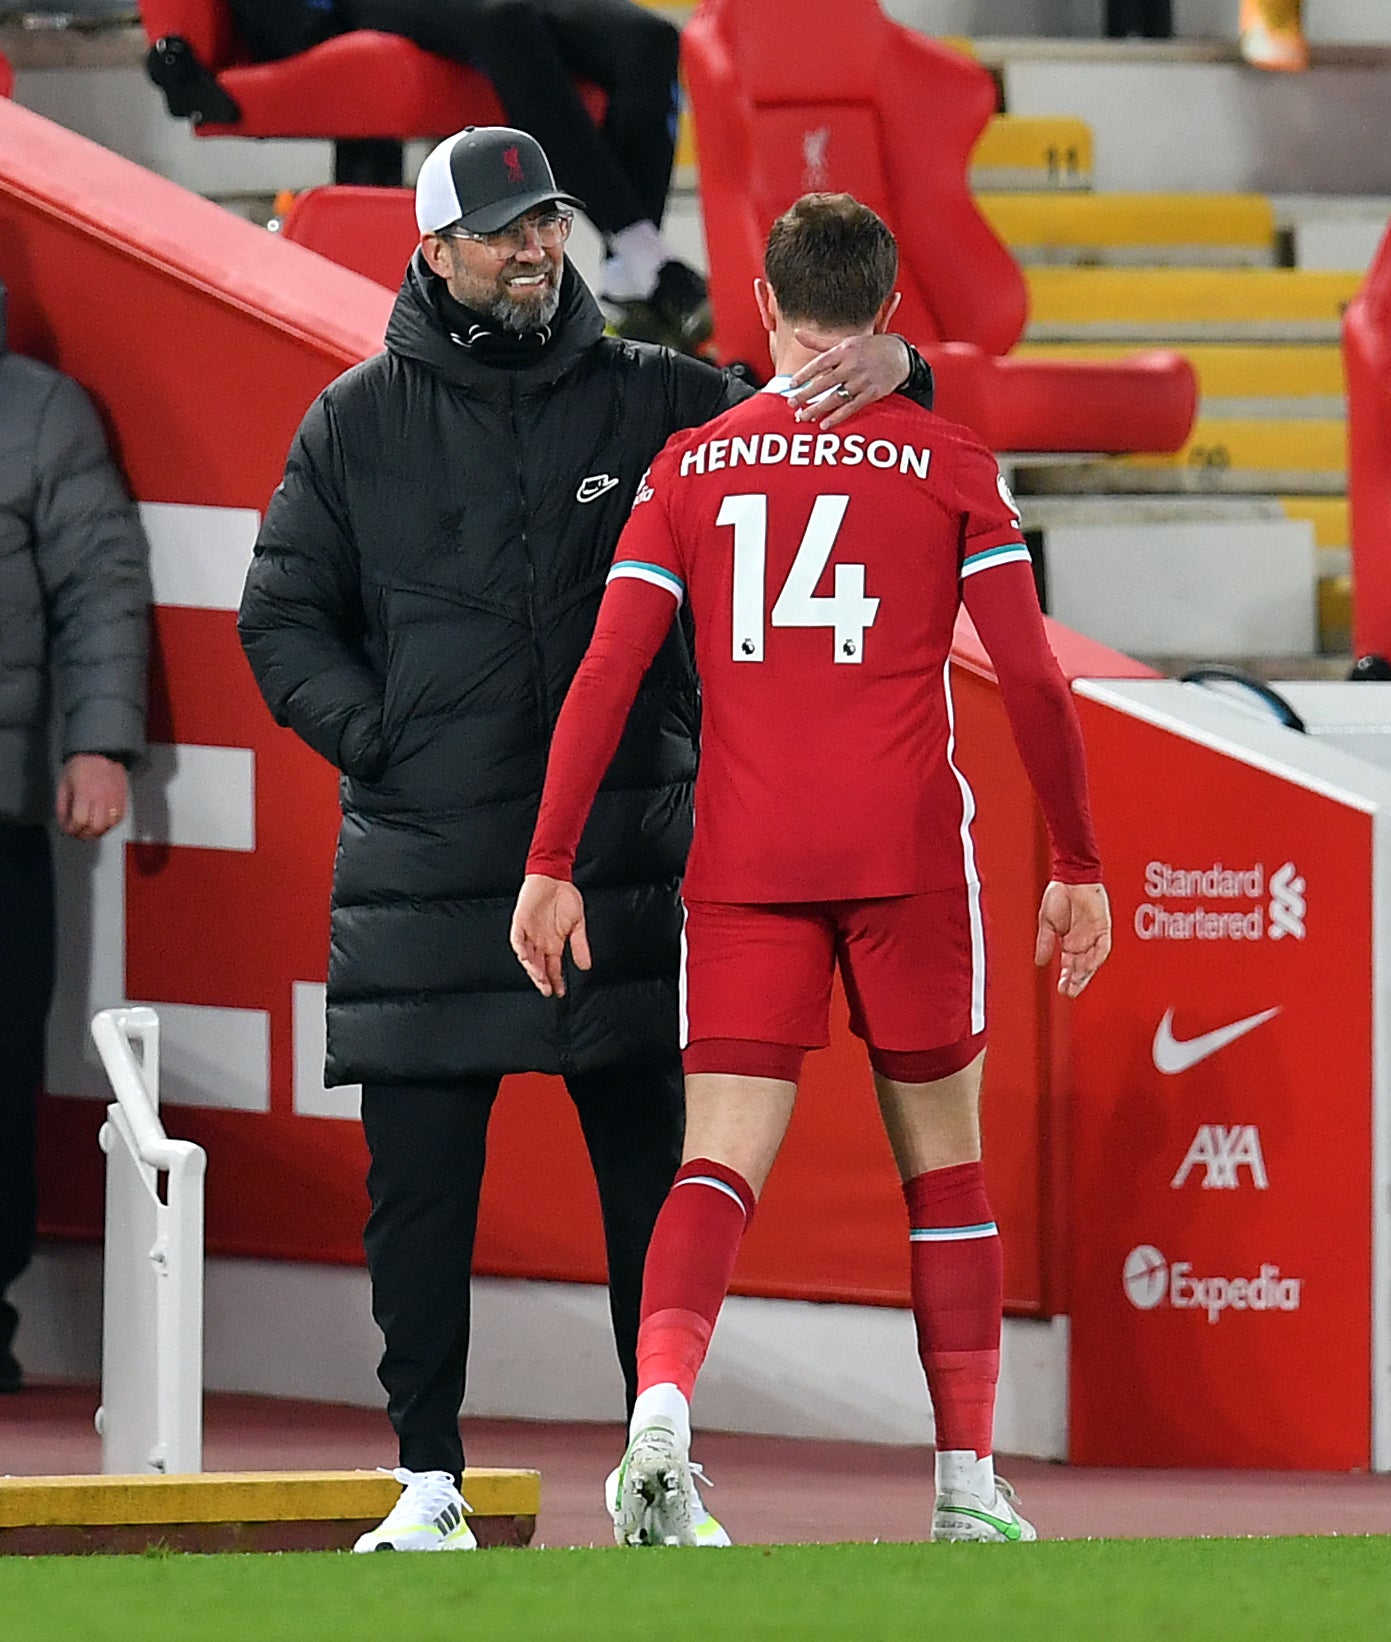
(424, 587)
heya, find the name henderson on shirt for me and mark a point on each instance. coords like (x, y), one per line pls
(805, 450)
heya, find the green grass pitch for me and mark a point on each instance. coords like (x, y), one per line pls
(1107, 1590)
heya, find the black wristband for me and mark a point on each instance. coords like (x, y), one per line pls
(918, 385)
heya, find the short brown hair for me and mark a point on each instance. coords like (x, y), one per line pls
(830, 261)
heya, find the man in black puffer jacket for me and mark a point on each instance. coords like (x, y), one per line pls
(424, 587)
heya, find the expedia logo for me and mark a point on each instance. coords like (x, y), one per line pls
(1151, 1281)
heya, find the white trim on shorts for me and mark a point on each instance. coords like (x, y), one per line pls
(968, 858)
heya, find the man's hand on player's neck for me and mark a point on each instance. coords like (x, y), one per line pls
(869, 367)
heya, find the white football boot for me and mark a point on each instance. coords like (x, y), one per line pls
(429, 1516)
(708, 1530)
(655, 1494)
(961, 1516)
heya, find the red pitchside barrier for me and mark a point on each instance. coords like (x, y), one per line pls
(202, 340)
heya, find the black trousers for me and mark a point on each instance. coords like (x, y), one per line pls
(531, 50)
(428, 1144)
(1152, 19)
(26, 984)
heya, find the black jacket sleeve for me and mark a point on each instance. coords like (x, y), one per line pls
(697, 391)
(301, 621)
(919, 386)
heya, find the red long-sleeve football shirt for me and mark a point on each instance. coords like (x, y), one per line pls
(824, 573)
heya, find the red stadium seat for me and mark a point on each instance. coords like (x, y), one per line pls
(1367, 364)
(6, 77)
(366, 92)
(370, 230)
(891, 117)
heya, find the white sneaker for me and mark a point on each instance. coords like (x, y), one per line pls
(429, 1516)
(708, 1530)
(960, 1516)
(655, 1502)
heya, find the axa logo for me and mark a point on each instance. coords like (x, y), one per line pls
(595, 486)
(1173, 1054)
(512, 159)
(1287, 904)
(1222, 1151)
(1152, 1281)
(815, 172)
(645, 492)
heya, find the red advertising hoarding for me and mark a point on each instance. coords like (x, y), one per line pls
(1221, 1187)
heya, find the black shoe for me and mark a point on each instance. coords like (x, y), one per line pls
(680, 300)
(675, 315)
(11, 1374)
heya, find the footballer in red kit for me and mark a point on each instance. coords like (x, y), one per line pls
(822, 574)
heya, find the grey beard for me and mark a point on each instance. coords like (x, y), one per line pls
(513, 317)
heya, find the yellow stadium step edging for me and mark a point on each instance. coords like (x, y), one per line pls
(1172, 229)
(1231, 370)
(1335, 614)
(1187, 304)
(1266, 446)
(250, 1510)
(1015, 151)
(1220, 458)
(1327, 514)
(1027, 151)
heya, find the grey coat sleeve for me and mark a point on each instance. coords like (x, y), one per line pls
(302, 622)
(93, 564)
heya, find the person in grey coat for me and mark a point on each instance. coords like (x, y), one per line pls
(74, 621)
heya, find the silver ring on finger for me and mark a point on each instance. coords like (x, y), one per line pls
(842, 392)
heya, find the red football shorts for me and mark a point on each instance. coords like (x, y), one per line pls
(913, 967)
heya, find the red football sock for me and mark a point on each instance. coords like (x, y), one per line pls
(958, 1295)
(689, 1264)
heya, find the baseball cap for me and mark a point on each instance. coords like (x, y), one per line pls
(484, 177)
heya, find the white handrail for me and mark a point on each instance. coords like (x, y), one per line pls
(136, 1083)
(151, 1418)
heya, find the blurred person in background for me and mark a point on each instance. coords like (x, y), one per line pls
(1272, 35)
(1270, 32)
(533, 51)
(1150, 19)
(74, 619)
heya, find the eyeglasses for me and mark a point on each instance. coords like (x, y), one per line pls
(552, 229)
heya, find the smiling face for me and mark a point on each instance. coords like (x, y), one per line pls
(516, 283)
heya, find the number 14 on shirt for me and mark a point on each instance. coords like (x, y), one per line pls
(847, 611)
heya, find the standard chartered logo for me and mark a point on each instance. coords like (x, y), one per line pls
(1221, 903)
(1151, 1280)
(1287, 903)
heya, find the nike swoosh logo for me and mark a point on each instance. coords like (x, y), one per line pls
(1011, 1530)
(594, 486)
(1173, 1054)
